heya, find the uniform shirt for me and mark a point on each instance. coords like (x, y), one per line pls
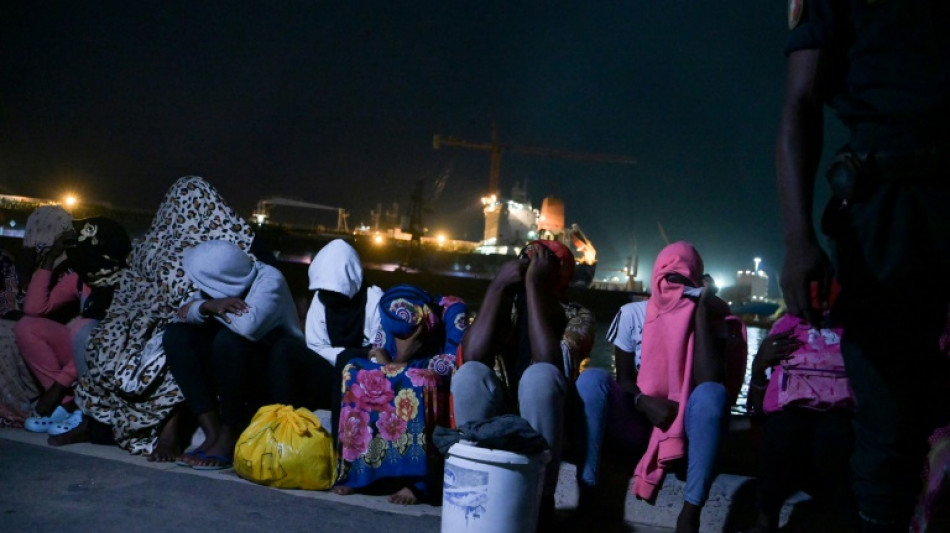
(626, 331)
(890, 67)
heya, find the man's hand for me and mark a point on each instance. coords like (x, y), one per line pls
(542, 267)
(510, 274)
(380, 355)
(660, 411)
(407, 348)
(773, 350)
(806, 264)
(222, 306)
(57, 248)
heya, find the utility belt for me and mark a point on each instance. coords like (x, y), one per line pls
(854, 176)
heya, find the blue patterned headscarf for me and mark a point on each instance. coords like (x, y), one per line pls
(405, 307)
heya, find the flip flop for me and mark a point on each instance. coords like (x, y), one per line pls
(223, 463)
(200, 454)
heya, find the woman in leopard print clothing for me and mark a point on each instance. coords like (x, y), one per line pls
(134, 395)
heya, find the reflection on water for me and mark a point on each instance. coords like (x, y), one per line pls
(603, 357)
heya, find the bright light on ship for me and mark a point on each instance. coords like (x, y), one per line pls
(378, 239)
(440, 238)
(70, 200)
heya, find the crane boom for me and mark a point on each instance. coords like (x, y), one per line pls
(496, 148)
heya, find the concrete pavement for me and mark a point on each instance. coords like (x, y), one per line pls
(85, 487)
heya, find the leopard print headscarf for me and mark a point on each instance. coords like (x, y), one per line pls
(147, 298)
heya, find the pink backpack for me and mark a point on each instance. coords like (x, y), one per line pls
(814, 376)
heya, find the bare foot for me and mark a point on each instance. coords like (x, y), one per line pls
(688, 519)
(403, 496)
(343, 490)
(78, 434)
(170, 442)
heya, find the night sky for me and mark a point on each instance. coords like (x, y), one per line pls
(336, 103)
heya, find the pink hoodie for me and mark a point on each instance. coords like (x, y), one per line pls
(667, 366)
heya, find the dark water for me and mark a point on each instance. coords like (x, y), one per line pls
(603, 357)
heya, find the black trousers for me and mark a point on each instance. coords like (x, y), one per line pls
(805, 450)
(300, 377)
(218, 369)
(893, 258)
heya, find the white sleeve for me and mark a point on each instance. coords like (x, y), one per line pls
(621, 331)
(318, 338)
(372, 323)
(265, 300)
(194, 315)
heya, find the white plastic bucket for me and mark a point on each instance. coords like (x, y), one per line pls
(491, 491)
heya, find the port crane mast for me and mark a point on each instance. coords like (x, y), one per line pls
(262, 211)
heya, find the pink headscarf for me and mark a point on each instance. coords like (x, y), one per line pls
(667, 366)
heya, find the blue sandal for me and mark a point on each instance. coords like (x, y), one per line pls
(223, 462)
(200, 454)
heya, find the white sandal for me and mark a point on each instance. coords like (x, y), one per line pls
(41, 424)
(67, 424)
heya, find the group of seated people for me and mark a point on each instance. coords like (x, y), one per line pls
(190, 327)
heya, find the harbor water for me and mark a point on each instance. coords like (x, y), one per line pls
(602, 356)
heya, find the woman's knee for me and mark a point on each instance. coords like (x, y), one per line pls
(708, 401)
(542, 382)
(593, 385)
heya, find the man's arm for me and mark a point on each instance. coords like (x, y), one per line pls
(546, 321)
(798, 152)
(493, 323)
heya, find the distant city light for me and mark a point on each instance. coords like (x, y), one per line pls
(260, 218)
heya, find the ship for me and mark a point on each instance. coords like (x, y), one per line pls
(402, 243)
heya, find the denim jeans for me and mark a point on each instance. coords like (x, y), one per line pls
(610, 417)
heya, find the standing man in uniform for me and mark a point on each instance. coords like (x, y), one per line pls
(884, 67)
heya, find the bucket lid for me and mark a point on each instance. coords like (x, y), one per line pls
(466, 450)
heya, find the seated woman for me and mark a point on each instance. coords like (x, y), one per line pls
(219, 352)
(55, 351)
(393, 401)
(676, 404)
(124, 398)
(807, 440)
(18, 387)
(341, 324)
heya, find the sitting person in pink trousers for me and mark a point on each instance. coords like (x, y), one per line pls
(60, 313)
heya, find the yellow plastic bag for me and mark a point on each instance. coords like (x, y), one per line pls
(287, 449)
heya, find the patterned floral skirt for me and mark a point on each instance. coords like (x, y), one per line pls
(386, 422)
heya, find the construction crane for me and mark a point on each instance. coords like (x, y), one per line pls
(262, 211)
(495, 147)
